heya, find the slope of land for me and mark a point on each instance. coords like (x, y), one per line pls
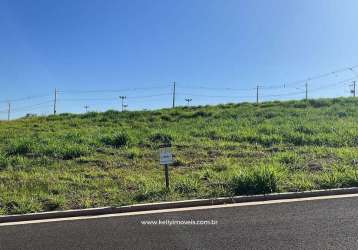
(111, 158)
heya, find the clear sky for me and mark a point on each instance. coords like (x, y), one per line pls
(83, 45)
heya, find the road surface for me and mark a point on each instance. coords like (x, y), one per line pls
(310, 224)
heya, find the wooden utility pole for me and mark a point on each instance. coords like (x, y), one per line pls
(257, 95)
(354, 88)
(173, 94)
(8, 111)
(86, 108)
(55, 103)
(306, 87)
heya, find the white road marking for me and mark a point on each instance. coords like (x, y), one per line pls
(243, 204)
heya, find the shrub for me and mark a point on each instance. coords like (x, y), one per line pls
(186, 185)
(3, 162)
(166, 118)
(73, 151)
(318, 103)
(65, 151)
(74, 137)
(117, 140)
(161, 138)
(133, 153)
(112, 114)
(201, 114)
(260, 180)
(288, 158)
(50, 204)
(20, 146)
(150, 190)
(213, 135)
(90, 115)
(220, 167)
(338, 178)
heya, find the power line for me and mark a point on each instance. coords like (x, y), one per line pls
(319, 76)
(280, 86)
(24, 98)
(111, 98)
(285, 94)
(113, 90)
(214, 96)
(27, 107)
(149, 96)
(213, 88)
(295, 85)
(326, 86)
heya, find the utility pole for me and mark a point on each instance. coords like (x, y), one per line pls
(174, 94)
(86, 108)
(188, 100)
(55, 102)
(353, 91)
(306, 87)
(122, 98)
(8, 111)
(257, 94)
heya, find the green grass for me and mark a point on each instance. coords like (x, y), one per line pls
(99, 159)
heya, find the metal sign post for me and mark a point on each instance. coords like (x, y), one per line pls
(166, 173)
(166, 158)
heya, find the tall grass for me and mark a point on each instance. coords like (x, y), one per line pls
(111, 158)
(260, 180)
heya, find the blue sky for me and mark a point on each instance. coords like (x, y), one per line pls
(77, 45)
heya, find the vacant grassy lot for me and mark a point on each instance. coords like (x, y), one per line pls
(97, 159)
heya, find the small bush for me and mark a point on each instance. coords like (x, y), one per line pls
(260, 180)
(20, 146)
(288, 158)
(166, 118)
(3, 162)
(201, 114)
(117, 140)
(161, 138)
(220, 167)
(342, 114)
(73, 151)
(149, 191)
(338, 178)
(65, 151)
(50, 204)
(186, 186)
(318, 103)
(133, 153)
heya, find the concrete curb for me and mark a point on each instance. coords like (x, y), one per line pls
(175, 204)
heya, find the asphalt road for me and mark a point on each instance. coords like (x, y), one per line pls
(319, 224)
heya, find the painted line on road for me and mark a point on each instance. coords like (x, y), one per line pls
(244, 204)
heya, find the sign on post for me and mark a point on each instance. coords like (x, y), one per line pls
(166, 158)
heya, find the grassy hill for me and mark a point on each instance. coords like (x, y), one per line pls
(111, 158)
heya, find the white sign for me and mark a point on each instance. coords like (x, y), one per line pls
(165, 156)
